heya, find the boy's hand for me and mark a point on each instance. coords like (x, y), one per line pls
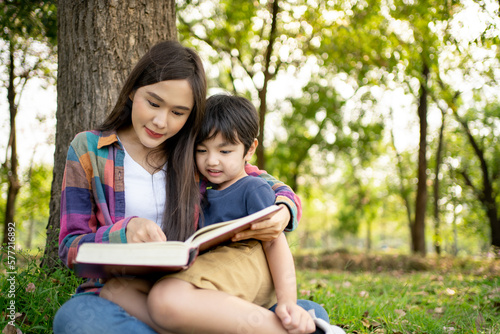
(143, 230)
(295, 319)
(268, 229)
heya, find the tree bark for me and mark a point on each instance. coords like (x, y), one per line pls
(261, 159)
(11, 162)
(486, 195)
(418, 227)
(439, 158)
(99, 42)
(402, 189)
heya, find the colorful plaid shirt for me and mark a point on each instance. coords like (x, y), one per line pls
(93, 196)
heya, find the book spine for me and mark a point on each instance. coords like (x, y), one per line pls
(193, 253)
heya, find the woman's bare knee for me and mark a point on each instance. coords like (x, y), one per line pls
(119, 285)
(169, 301)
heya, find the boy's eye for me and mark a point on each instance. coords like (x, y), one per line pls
(152, 104)
(225, 152)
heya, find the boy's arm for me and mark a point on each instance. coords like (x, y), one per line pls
(280, 261)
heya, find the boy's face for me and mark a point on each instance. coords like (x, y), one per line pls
(221, 162)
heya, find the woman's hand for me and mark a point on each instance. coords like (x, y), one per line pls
(144, 230)
(268, 229)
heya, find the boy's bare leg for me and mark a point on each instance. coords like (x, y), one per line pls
(180, 307)
(131, 294)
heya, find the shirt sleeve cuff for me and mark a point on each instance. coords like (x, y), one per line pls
(292, 224)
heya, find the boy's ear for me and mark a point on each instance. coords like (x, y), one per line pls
(251, 150)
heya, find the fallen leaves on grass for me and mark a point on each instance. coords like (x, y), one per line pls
(400, 313)
(479, 322)
(439, 310)
(346, 284)
(319, 283)
(421, 293)
(449, 329)
(9, 329)
(368, 323)
(364, 294)
(30, 287)
(305, 292)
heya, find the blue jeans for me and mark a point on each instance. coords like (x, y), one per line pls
(90, 314)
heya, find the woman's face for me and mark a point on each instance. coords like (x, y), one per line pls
(160, 110)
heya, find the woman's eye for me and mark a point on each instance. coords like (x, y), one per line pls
(200, 150)
(177, 113)
(152, 104)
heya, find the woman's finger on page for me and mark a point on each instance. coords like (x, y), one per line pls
(143, 230)
(153, 232)
(158, 234)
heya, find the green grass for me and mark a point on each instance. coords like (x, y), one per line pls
(36, 296)
(406, 303)
(462, 298)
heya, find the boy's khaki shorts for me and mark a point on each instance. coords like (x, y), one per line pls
(239, 268)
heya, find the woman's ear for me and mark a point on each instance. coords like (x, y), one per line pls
(131, 95)
(251, 150)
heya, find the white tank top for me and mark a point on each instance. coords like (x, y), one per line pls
(144, 192)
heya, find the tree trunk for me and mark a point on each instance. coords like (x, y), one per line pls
(418, 228)
(99, 42)
(11, 162)
(402, 189)
(261, 161)
(439, 156)
(454, 225)
(486, 195)
(368, 236)
(491, 212)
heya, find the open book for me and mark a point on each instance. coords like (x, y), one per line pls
(99, 260)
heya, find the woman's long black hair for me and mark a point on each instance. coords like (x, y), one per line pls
(170, 60)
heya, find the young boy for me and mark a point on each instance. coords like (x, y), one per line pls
(220, 291)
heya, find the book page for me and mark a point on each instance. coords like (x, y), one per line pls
(211, 235)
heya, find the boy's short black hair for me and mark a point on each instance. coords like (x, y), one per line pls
(234, 117)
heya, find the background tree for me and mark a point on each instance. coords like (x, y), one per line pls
(356, 55)
(33, 208)
(477, 120)
(486, 164)
(399, 39)
(29, 33)
(251, 43)
(437, 239)
(99, 42)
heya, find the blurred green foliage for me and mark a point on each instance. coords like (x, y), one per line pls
(345, 141)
